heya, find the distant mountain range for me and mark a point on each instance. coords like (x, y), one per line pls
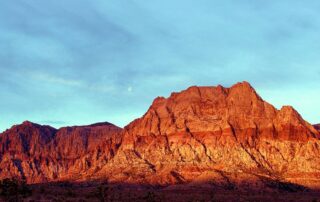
(226, 137)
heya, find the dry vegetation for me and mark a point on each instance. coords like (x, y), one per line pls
(93, 192)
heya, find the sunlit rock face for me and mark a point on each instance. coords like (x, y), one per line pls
(209, 133)
(42, 153)
(217, 135)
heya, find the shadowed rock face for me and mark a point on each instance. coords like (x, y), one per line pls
(317, 126)
(225, 136)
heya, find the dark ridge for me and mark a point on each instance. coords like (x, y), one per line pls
(30, 125)
(101, 124)
(317, 126)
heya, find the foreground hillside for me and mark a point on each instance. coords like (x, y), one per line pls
(226, 138)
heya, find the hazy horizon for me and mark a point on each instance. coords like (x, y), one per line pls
(81, 62)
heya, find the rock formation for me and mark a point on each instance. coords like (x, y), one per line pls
(42, 153)
(223, 136)
(217, 134)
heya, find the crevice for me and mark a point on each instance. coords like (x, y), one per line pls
(151, 166)
(280, 154)
(259, 164)
(202, 144)
(233, 131)
(159, 122)
(18, 164)
(230, 185)
(263, 158)
(168, 143)
(172, 117)
(180, 179)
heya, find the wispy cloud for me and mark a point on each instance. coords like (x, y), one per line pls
(68, 82)
(57, 80)
(111, 58)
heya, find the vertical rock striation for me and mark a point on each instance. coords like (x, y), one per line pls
(208, 133)
(226, 136)
(42, 153)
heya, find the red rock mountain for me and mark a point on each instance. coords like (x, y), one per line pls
(223, 136)
(42, 153)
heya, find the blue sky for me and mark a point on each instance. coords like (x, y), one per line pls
(81, 61)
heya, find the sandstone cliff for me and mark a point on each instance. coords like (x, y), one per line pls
(42, 153)
(223, 136)
(217, 134)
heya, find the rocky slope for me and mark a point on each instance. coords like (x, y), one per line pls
(42, 153)
(222, 136)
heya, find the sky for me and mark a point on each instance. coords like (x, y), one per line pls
(78, 62)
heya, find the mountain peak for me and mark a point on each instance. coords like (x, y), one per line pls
(28, 123)
(244, 90)
(243, 84)
(209, 108)
(201, 133)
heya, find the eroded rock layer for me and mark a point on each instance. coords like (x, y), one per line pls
(224, 136)
(42, 153)
(215, 134)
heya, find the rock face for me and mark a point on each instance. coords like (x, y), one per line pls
(42, 153)
(223, 136)
(217, 134)
(317, 126)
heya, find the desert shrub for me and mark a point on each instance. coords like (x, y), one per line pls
(14, 189)
(212, 196)
(42, 190)
(65, 184)
(100, 193)
(70, 193)
(150, 197)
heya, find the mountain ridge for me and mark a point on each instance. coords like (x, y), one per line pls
(201, 134)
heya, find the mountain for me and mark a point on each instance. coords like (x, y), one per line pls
(42, 153)
(317, 126)
(215, 134)
(225, 137)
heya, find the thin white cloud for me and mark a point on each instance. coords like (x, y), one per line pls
(58, 80)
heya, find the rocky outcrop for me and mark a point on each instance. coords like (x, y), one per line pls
(42, 153)
(214, 133)
(317, 126)
(217, 135)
